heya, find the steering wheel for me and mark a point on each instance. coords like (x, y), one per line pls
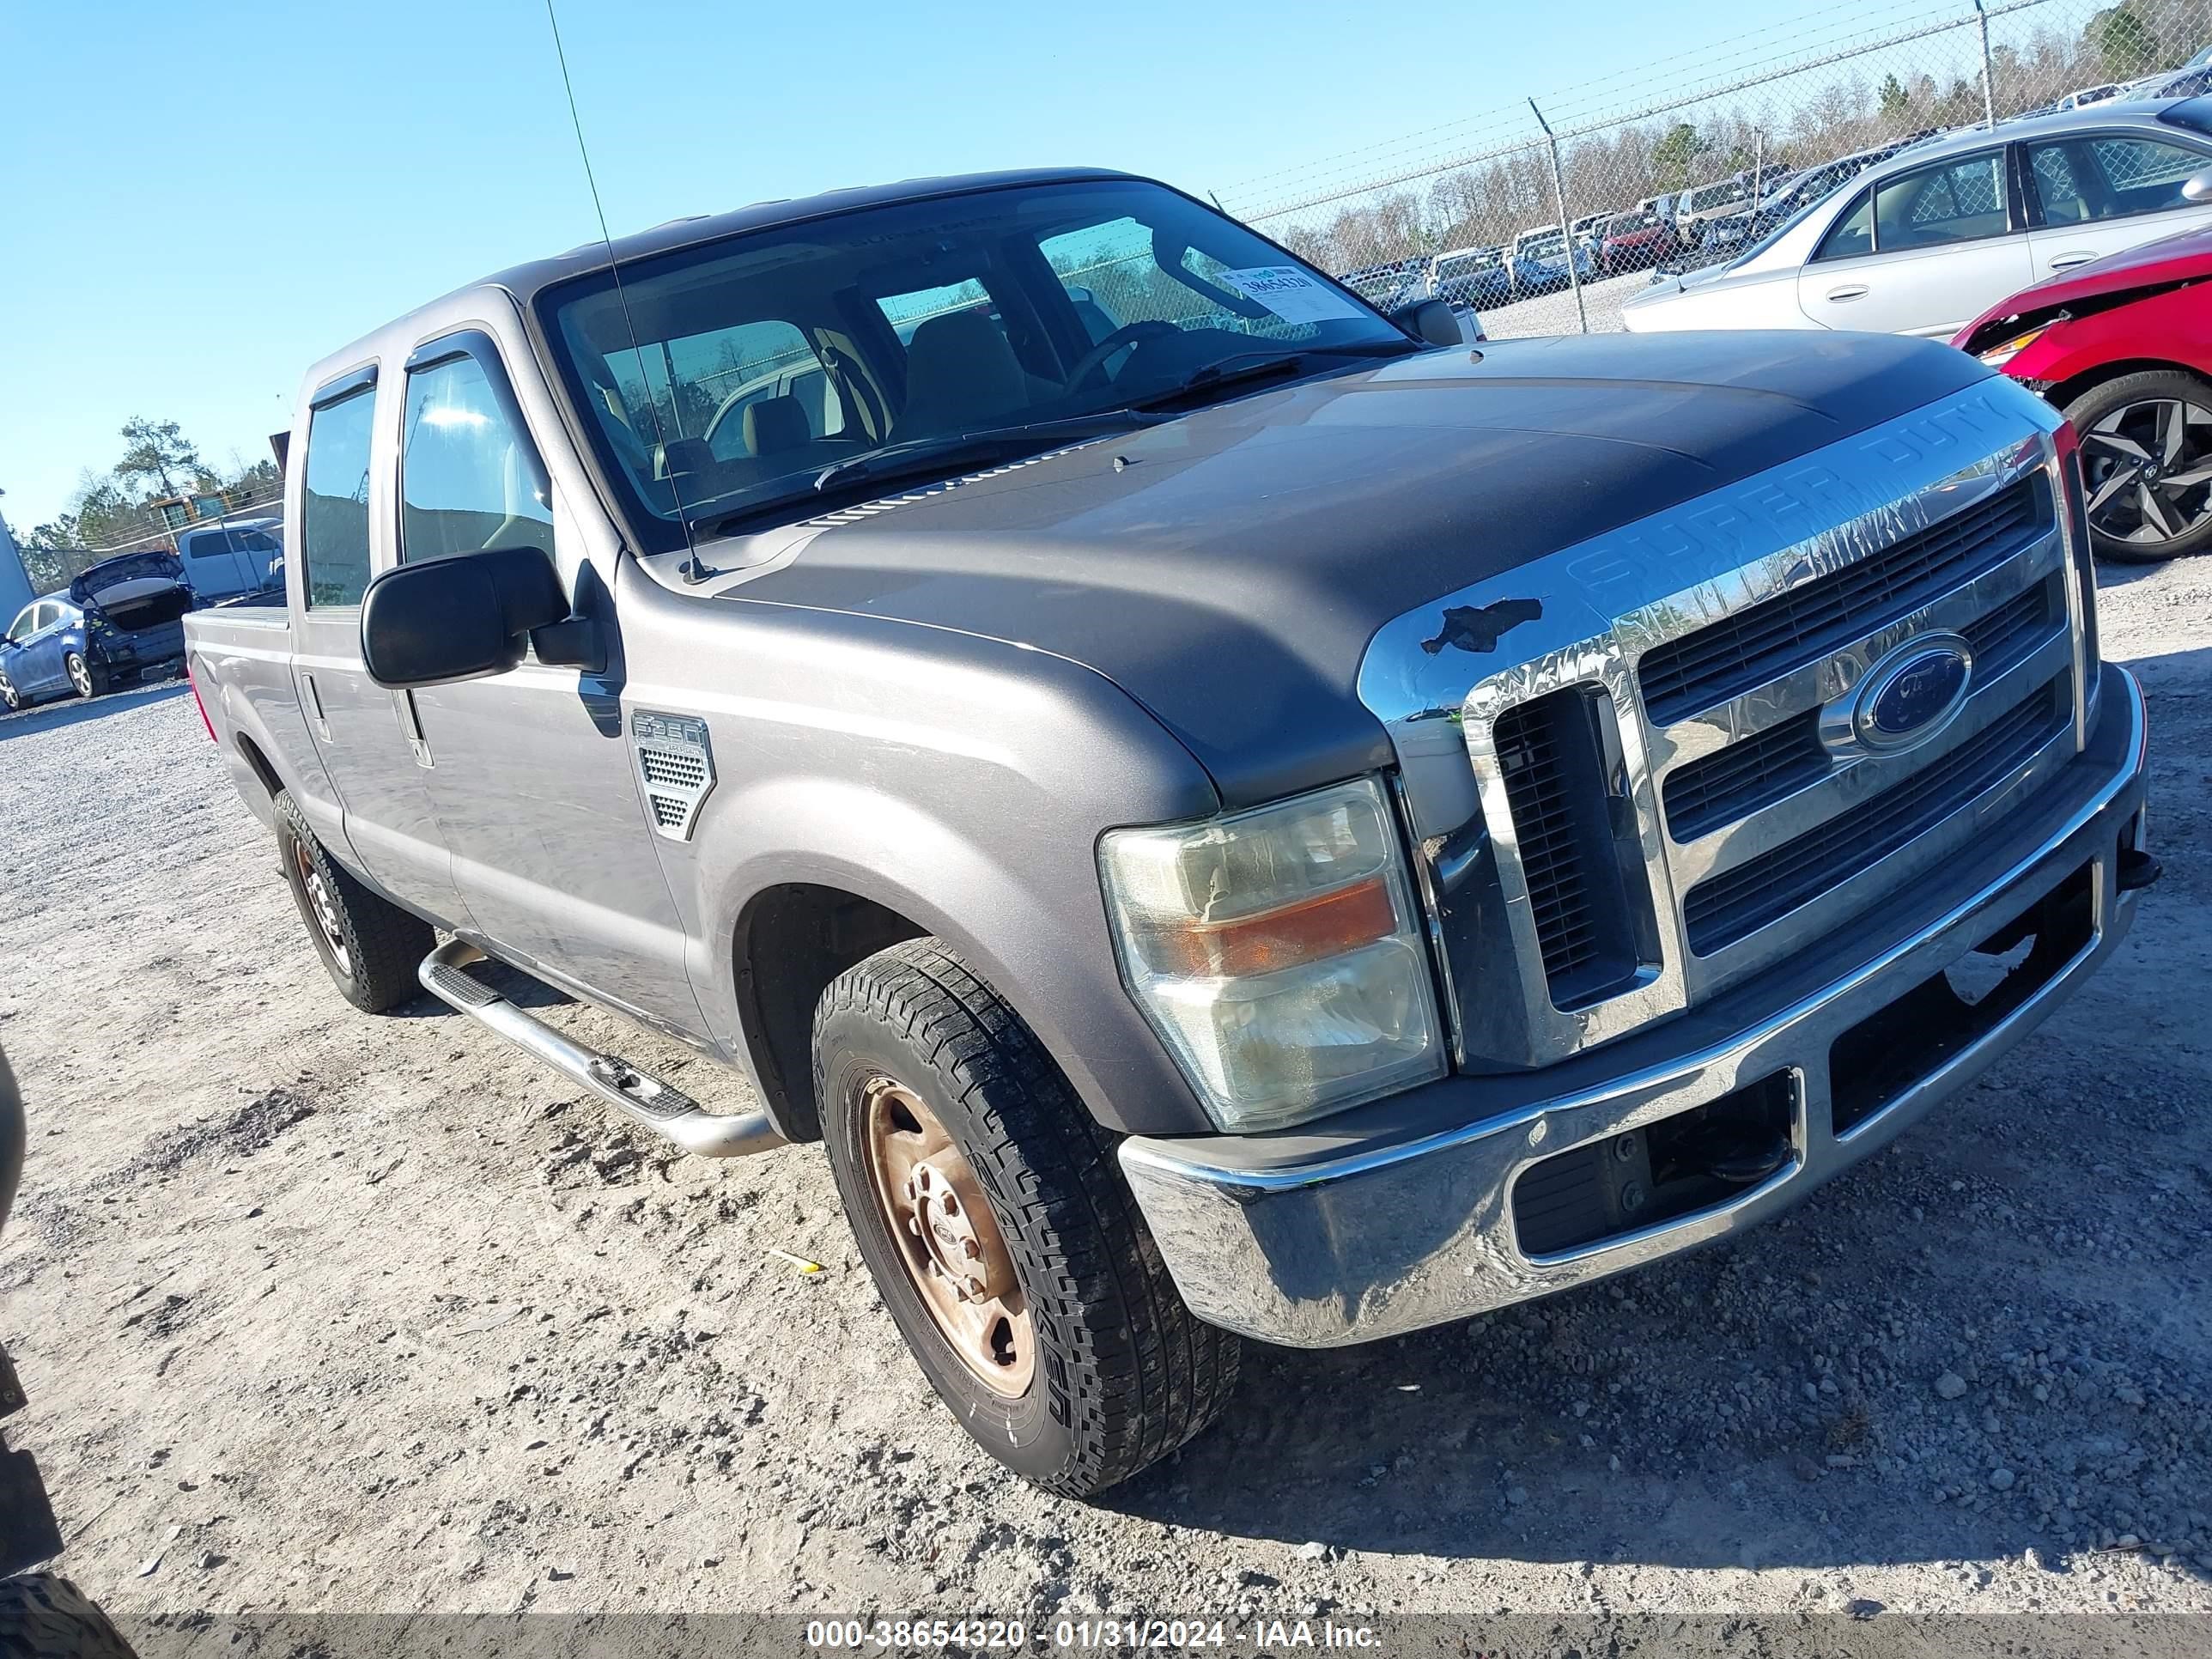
(1128, 334)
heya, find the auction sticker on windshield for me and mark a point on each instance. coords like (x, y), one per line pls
(1289, 294)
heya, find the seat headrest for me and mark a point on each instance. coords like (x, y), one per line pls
(775, 424)
(959, 367)
(681, 458)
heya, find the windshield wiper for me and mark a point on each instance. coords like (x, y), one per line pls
(1255, 366)
(937, 458)
(930, 454)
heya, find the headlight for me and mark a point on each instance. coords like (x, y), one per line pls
(1998, 356)
(1278, 954)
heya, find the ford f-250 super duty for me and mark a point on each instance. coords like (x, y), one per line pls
(1226, 813)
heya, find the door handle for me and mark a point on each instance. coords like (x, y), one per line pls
(411, 724)
(1848, 291)
(314, 700)
(2068, 261)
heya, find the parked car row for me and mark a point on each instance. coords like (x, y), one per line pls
(1926, 240)
(122, 619)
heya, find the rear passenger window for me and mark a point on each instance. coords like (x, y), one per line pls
(1951, 202)
(334, 539)
(468, 479)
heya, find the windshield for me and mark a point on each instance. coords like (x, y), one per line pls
(1459, 265)
(1544, 244)
(747, 369)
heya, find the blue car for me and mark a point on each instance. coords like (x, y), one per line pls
(1539, 261)
(121, 617)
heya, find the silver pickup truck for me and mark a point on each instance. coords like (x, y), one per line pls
(1228, 813)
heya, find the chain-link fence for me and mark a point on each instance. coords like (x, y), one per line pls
(50, 567)
(1546, 214)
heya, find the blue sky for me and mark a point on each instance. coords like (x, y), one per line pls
(200, 200)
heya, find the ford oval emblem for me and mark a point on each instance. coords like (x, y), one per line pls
(1911, 695)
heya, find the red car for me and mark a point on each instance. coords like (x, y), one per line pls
(1635, 241)
(2124, 347)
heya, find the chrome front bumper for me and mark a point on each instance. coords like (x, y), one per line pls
(1398, 1215)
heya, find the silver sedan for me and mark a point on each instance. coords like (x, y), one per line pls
(1925, 241)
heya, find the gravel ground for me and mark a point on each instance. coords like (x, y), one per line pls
(1554, 314)
(320, 1311)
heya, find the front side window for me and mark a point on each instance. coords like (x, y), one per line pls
(1960, 201)
(468, 479)
(334, 539)
(208, 544)
(1852, 236)
(2080, 180)
(935, 325)
(26, 623)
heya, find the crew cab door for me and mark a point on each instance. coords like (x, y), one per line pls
(2106, 192)
(359, 727)
(531, 769)
(1921, 251)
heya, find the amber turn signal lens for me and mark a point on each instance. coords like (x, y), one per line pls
(1326, 924)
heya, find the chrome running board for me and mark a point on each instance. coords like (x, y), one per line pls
(639, 1095)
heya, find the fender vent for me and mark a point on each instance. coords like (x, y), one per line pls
(675, 769)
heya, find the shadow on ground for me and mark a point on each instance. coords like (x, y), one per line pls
(49, 716)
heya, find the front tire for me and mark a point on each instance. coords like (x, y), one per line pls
(10, 696)
(2146, 465)
(1048, 1323)
(45, 1617)
(370, 947)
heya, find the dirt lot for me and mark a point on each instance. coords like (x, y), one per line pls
(318, 1311)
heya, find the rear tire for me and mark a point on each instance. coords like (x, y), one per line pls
(1118, 1372)
(2117, 423)
(45, 1617)
(370, 947)
(88, 681)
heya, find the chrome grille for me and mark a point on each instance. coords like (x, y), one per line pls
(1753, 646)
(1718, 644)
(1719, 912)
(1553, 856)
(1745, 777)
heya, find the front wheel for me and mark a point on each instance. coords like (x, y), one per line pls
(370, 947)
(10, 696)
(2146, 464)
(991, 1213)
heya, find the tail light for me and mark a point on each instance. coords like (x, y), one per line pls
(199, 704)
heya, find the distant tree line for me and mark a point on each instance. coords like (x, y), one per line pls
(107, 508)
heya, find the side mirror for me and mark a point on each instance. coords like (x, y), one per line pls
(2198, 188)
(457, 618)
(1431, 321)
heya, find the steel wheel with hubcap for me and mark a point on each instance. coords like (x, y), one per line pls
(988, 1207)
(370, 946)
(955, 1255)
(2146, 465)
(322, 908)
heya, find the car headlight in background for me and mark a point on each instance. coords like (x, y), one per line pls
(1278, 953)
(1998, 356)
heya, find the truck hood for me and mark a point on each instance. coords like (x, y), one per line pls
(1228, 568)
